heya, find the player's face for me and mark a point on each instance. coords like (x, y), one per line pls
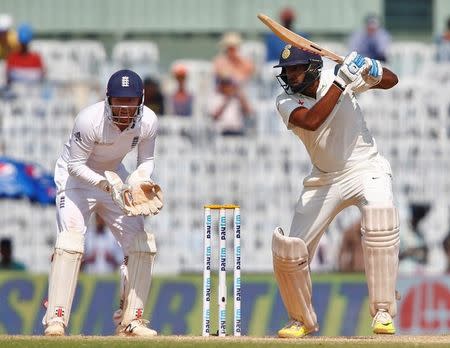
(124, 109)
(233, 51)
(296, 74)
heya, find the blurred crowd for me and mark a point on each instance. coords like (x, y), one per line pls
(232, 107)
(235, 69)
(22, 64)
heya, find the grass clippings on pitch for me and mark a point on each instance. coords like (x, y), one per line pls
(227, 342)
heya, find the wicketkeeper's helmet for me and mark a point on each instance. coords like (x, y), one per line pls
(125, 84)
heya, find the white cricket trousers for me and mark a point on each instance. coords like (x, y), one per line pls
(74, 208)
(326, 194)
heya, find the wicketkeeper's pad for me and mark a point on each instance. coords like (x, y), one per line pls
(380, 242)
(63, 277)
(136, 276)
(291, 268)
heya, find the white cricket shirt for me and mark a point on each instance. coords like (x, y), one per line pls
(96, 144)
(342, 140)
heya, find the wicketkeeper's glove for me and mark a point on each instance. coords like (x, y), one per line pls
(139, 198)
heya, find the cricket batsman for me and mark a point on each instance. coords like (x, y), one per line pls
(90, 177)
(320, 108)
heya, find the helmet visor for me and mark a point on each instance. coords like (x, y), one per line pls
(124, 112)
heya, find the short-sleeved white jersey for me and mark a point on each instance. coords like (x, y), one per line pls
(96, 144)
(342, 140)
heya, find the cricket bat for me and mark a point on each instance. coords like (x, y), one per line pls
(297, 40)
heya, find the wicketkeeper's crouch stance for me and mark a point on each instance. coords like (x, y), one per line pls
(89, 177)
(320, 108)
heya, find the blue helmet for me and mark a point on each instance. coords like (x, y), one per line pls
(124, 84)
(290, 56)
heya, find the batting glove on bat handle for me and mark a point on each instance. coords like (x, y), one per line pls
(352, 67)
(374, 72)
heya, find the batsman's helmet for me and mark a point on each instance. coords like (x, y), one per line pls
(124, 84)
(290, 56)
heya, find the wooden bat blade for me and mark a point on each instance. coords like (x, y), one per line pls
(297, 40)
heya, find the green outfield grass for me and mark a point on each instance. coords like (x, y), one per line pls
(228, 342)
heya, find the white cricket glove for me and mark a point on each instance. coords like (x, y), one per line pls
(374, 72)
(136, 198)
(371, 76)
(120, 193)
(350, 70)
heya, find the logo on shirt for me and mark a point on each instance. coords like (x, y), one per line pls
(134, 142)
(77, 136)
(301, 102)
(62, 202)
(125, 81)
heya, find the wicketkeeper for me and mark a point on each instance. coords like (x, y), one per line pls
(320, 108)
(90, 177)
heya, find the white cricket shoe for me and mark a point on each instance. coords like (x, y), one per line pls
(137, 327)
(54, 328)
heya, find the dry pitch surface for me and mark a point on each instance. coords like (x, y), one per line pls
(228, 342)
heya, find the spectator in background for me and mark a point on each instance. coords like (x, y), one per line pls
(446, 246)
(351, 257)
(413, 254)
(229, 107)
(230, 62)
(274, 45)
(102, 254)
(181, 101)
(373, 41)
(7, 262)
(8, 37)
(24, 65)
(153, 96)
(446, 34)
(443, 44)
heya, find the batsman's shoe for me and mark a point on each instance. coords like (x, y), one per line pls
(383, 324)
(54, 328)
(137, 327)
(295, 329)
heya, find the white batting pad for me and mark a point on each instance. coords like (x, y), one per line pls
(380, 243)
(63, 276)
(291, 268)
(136, 278)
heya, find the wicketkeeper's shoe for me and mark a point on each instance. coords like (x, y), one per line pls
(54, 328)
(137, 327)
(383, 324)
(295, 329)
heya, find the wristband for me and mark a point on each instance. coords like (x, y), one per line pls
(338, 85)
